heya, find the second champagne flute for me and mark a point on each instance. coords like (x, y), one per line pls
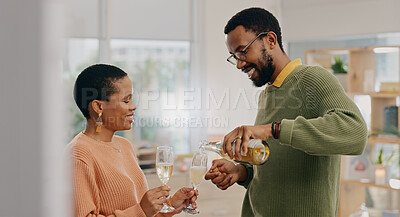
(197, 171)
(164, 166)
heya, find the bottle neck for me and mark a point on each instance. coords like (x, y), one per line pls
(212, 146)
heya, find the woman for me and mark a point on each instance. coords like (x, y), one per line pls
(107, 178)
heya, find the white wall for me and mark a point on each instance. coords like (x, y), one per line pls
(82, 18)
(319, 19)
(150, 19)
(31, 118)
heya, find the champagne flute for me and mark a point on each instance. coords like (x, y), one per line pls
(197, 171)
(164, 165)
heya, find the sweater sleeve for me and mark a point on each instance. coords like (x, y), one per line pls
(87, 195)
(338, 126)
(250, 173)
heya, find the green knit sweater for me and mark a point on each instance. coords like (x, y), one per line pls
(319, 123)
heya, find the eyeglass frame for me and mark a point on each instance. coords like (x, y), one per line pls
(236, 54)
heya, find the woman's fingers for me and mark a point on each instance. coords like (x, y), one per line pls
(159, 192)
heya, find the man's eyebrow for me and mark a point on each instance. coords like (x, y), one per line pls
(239, 48)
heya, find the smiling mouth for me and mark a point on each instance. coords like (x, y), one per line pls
(129, 118)
(250, 72)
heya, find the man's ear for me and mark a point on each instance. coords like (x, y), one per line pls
(271, 40)
(97, 106)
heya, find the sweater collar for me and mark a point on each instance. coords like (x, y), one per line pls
(286, 71)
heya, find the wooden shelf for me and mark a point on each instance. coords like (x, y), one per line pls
(376, 94)
(384, 95)
(367, 184)
(389, 140)
(361, 78)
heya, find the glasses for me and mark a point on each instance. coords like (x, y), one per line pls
(241, 55)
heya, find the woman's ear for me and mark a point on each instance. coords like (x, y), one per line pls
(97, 106)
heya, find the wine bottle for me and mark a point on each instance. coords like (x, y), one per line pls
(257, 151)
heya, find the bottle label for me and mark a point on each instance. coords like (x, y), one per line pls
(251, 144)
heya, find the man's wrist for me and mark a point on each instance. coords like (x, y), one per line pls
(242, 172)
(276, 129)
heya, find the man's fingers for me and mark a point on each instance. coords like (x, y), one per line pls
(224, 187)
(226, 181)
(214, 171)
(228, 148)
(245, 142)
(211, 175)
(238, 143)
(226, 137)
(219, 179)
(228, 140)
(218, 163)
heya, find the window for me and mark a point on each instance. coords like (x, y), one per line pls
(387, 65)
(79, 53)
(160, 72)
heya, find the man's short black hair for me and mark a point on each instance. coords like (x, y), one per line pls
(95, 82)
(256, 20)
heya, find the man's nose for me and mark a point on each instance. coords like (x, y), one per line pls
(240, 64)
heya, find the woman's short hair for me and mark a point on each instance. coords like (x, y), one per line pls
(95, 82)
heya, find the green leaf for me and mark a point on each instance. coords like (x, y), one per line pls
(338, 67)
(379, 161)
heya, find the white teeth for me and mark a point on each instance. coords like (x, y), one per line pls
(250, 72)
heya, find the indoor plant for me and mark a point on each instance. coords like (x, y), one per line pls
(340, 71)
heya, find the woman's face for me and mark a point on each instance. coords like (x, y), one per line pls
(118, 111)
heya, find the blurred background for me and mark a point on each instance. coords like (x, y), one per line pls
(174, 52)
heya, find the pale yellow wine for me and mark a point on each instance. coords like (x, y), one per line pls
(257, 151)
(164, 172)
(197, 174)
(255, 156)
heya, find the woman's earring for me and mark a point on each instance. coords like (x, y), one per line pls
(99, 122)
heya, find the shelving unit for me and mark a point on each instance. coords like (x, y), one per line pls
(368, 184)
(367, 67)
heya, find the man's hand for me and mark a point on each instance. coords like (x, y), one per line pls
(241, 136)
(224, 173)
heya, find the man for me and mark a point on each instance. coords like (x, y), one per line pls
(305, 116)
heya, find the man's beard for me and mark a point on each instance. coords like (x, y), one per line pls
(267, 69)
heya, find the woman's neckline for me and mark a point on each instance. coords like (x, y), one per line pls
(111, 144)
(98, 140)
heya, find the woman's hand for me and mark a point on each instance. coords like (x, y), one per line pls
(152, 201)
(183, 197)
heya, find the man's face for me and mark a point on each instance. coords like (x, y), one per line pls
(258, 64)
